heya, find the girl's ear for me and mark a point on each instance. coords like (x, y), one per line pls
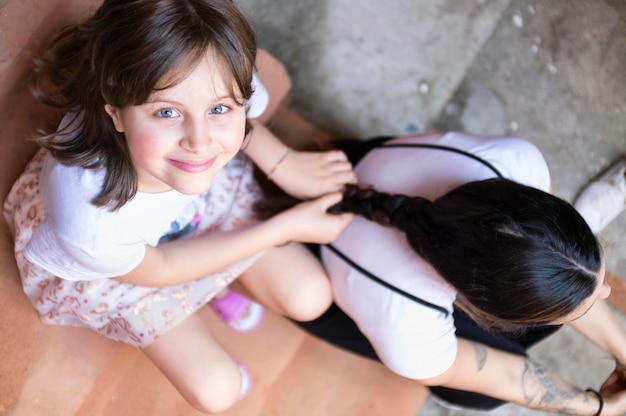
(114, 113)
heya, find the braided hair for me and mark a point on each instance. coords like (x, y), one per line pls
(516, 255)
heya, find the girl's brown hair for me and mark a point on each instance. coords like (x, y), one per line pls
(120, 56)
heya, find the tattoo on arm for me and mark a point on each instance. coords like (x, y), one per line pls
(481, 355)
(543, 389)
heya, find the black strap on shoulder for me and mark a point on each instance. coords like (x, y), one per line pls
(445, 148)
(381, 143)
(387, 285)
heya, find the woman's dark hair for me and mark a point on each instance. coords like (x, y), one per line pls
(517, 256)
(127, 50)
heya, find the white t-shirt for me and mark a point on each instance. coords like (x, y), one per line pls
(259, 100)
(413, 340)
(79, 241)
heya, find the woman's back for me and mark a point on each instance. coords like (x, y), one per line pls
(402, 331)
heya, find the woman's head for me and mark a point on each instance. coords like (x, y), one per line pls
(121, 56)
(517, 256)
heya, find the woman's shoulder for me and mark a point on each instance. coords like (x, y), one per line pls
(519, 160)
(515, 158)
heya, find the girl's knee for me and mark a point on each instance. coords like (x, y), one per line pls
(218, 391)
(310, 300)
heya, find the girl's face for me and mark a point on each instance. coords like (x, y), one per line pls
(183, 135)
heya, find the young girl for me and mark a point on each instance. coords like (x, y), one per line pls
(450, 273)
(137, 211)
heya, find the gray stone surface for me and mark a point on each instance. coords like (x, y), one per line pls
(357, 67)
(553, 72)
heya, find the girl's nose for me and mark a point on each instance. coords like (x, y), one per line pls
(196, 137)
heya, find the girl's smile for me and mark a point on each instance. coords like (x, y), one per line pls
(193, 166)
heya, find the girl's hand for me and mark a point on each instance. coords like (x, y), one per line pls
(306, 175)
(614, 403)
(616, 381)
(309, 222)
(614, 392)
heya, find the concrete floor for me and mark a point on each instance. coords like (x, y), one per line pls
(552, 72)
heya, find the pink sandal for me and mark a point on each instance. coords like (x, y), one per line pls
(239, 312)
(246, 380)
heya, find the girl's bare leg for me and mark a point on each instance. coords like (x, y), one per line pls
(276, 81)
(194, 362)
(290, 281)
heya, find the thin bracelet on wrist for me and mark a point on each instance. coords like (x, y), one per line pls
(281, 160)
(600, 399)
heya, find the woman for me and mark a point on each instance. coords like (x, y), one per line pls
(450, 275)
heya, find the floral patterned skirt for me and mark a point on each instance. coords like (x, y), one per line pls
(124, 312)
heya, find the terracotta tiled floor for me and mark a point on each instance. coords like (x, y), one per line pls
(70, 371)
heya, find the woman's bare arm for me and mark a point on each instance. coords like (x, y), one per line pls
(517, 379)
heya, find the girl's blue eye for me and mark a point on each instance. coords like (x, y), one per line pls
(167, 113)
(219, 109)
